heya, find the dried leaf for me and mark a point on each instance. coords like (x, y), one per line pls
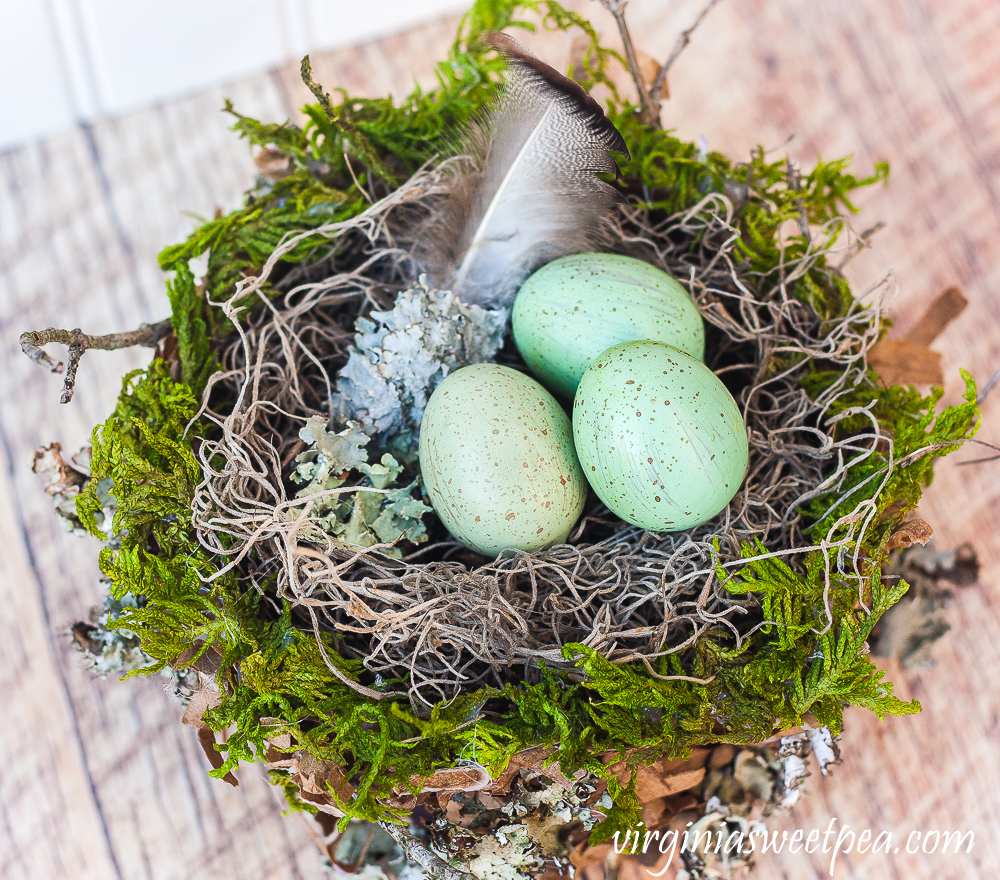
(663, 768)
(589, 855)
(660, 812)
(721, 755)
(948, 305)
(207, 664)
(319, 776)
(206, 737)
(649, 69)
(272, 163)
(403, 802)
(649, 786)
(465, 778)
(899, 362)
(529, 759)
(208, 697)
(914, 531)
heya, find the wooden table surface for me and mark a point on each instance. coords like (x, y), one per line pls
(99, 780)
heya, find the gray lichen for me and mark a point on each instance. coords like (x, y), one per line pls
(516, 835)
(400, 356)
(377, 510)
(64, 481)
(367, 852)
(759, 781)
(907, 631)
(115, 651)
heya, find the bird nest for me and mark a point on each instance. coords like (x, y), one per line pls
(446, 620)
(387, 661)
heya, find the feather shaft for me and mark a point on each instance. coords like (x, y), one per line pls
(479, 239)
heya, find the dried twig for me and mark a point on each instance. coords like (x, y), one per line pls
(795, 183)
(988, 458)
(415, 851)
(991, 383)
(679, 47)
(650, 106)
(863, 241)
(79, 342)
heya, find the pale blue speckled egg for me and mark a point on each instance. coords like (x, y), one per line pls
(575, 307)
(659, 437)
(497, 458)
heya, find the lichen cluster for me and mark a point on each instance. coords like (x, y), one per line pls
(803, 649)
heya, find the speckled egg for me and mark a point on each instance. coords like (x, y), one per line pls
(575, 307)
(497, 457)
(659, 436)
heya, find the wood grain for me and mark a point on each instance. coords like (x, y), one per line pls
(101, 781)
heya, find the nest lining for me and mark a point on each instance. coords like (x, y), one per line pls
(447, 621)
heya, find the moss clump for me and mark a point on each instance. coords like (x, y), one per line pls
(274, 677)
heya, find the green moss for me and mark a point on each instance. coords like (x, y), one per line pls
(808, 657)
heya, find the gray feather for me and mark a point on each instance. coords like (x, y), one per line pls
(538, 196)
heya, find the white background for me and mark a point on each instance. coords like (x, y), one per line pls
(67, 61)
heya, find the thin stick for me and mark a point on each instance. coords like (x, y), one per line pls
(988, 387)
(650, 106)
(305, 71)
(982, 460)
(415, 851)
(795, 183)
(864, 241)
(679, 47)
(79, 342)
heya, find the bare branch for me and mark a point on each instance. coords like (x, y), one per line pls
(78, 342)
(415, 851)
(679, 47)
(988, 387)
(650, 106)
(863, 241)
(795, 184)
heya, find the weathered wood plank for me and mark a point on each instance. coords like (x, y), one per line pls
(103, 781)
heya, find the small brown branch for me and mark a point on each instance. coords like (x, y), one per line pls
(650, 106)
(988, 387)
(306, 72)
(679, 47)
(864, 241)
(78, 342)
(795, 184)
(415, 851)
(981, 460)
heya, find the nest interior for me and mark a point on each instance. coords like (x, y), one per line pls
(620, 640)
(442, 621)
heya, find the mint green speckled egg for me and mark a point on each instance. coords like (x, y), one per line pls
(575, 307)
(659, 437)
(497, 458)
